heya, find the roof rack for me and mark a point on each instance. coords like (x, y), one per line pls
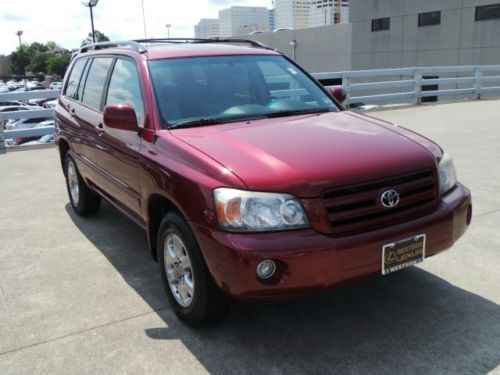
(140, 45)
(121, 43)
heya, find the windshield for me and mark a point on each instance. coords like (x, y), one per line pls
(206, 90)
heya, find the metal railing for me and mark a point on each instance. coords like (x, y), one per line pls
(413, 84)
(408, 85)
(32, 113)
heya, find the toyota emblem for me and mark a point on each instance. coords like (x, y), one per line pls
(389, 198)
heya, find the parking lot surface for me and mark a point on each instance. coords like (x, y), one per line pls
(82, 295)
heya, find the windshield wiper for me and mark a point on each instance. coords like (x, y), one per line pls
(295, 112)
(215, 121)
(198, 122)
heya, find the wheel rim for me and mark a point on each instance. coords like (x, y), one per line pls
(74, 186)
(178, 270)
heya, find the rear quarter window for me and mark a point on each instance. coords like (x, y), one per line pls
(74, 79)
(96, 79)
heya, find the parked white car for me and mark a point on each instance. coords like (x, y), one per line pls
(55, 86)
(50, 103)
(44, 124)
(48, 138)
(24, 123)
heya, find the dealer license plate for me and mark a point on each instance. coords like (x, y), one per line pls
(403, 253)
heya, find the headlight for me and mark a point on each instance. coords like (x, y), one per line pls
(246, 211)
(447, 174)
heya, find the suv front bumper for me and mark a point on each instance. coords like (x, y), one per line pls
(309, 261)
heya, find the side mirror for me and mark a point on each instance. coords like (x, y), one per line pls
(338, 93)
(120, 116)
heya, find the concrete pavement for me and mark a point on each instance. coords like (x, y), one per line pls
(84, 296)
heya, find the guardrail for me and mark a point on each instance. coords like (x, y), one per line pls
(32, 113)
(411, 84)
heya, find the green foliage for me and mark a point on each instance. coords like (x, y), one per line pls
(57, 64)
(36, 57)
(19, 59)
(38, 62)
(99, 37)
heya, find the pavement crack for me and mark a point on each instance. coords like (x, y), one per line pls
(487, 213)
(83, 331)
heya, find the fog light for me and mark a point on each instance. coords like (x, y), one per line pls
(266, 269)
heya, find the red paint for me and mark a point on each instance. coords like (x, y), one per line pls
(308, 156)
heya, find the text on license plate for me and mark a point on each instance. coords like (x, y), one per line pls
(403, 253)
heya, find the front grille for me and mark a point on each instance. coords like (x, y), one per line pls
(357, 208)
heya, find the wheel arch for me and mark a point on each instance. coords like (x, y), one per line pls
(63, 149)
(158, 205)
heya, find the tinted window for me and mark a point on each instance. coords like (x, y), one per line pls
(124, 87)
(228, 88)
(429, 19)
(82, 81)
(74, 79)
(488, 12)
(380, 24)
(94, 85)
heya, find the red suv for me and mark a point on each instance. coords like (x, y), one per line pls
(250, 178)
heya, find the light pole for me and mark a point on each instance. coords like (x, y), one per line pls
(324, 12)
(19, 33)
(90, 4)
(168, 29)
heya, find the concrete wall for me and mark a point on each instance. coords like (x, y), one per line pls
(318, 49)
(458, 40)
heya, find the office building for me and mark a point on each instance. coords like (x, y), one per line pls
(207, 28)
(291, 14)
(240, 20)
(329, 12)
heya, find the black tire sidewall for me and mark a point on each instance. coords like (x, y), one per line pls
(206, 293)
(77, 207)
(88, 200)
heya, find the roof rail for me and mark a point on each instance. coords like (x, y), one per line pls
(140, 45)
(121, 43)
(251, 42)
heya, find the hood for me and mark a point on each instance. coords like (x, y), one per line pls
(304, 155)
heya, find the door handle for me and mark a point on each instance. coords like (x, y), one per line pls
(100, 129)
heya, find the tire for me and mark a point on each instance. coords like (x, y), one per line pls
(83, 200)
(195, 298)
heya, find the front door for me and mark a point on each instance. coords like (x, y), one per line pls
(117, 150)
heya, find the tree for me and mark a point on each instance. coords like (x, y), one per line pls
(38, 62)
(99, 37)
(57, 64)
(34, 58)
(19, 60)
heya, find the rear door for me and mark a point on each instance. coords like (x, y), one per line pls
(117, 150)
(65, 115)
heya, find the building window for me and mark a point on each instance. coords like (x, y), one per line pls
(488, 12)
(429, 19)
(381, 24)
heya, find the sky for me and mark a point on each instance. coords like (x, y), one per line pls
(67, 22)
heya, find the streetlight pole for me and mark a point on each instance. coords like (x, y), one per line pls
(90, 4)
(168, 29)
(19, 34)
(324, 12)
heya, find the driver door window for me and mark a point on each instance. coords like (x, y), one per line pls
(124, 88)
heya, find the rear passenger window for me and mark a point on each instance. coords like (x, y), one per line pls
(94, 86)
(124, 87)
(74, 79)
